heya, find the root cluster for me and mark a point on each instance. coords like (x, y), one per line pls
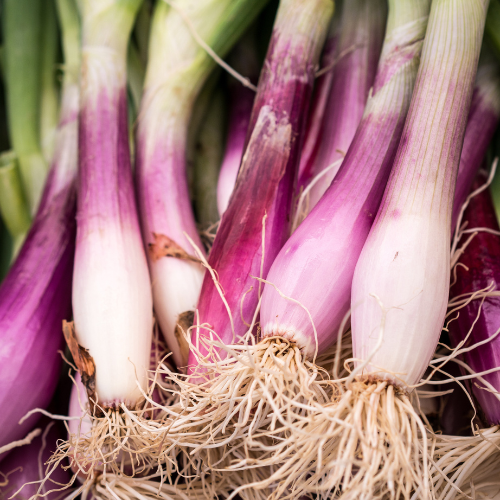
(466, 467)
(260, 421)
(265, 417)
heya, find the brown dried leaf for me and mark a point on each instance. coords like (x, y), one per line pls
(83, 360)
(184, 322)
(164, 246)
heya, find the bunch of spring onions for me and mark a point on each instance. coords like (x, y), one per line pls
(249, 249)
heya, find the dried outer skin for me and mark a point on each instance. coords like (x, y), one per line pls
(36, 294)
(23, 466)
(482, 258)
(267, 175)
(360, 42)
(316, 265)
(483, 119)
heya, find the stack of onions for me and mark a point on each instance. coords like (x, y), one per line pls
(401, 283)
(337, 213)
(248, 241)
(265, 183)
(307, 294)
(272, 389)
(329, 445)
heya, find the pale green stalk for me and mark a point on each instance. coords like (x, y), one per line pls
(111, 289)
(176, 52)
(141, 30)
(49, 110)
(209, 152)
(69, 21)
(22, 58)
(178, 65)
(198, 114)
(135, 77)
(106, 21)
(13, 205)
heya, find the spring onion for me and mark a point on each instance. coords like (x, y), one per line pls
(112, 305)
(248, 239)
(22, 59)
(401, 282)
(177, 68)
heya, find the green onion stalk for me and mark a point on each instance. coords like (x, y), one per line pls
(262, 202)
(13, 206)
(198, 115)
(22, 25)
(142, 29)
(209, 151)
(49, 105)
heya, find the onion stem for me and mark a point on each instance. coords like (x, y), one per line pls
(22, 63)
(13, 206)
